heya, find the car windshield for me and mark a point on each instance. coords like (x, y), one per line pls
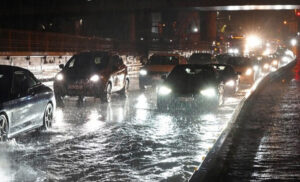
(163, 60)
(191, 72)
(5, 82)
(200, 58)
(82, 61)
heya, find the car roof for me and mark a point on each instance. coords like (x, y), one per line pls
(12, 68)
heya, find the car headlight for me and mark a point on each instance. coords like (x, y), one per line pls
(255, 67)
(230, 83)
(209, 92)
(143, 72)
(163, 90)
(266, 66)
(249, 71)
(59, 77)
(94, 78)
(275, 62)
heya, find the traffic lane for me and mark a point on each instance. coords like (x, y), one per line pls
(127, 140)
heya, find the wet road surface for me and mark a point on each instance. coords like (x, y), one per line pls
(126, 140)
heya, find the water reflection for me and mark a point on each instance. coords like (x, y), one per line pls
(126, 140)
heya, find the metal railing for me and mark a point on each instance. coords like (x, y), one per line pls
(29, 43)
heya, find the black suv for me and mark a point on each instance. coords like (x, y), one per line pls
(95, 74)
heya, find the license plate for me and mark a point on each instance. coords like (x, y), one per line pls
(186, 99)
(75, 87)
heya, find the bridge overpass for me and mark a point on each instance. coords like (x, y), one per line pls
(32, 43)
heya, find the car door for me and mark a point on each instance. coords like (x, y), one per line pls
(23, 103)
(38, 98)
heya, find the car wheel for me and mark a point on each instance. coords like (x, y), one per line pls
(221, 96)
(48, 117)
(124, 91)
(3, 128)
(106, 97)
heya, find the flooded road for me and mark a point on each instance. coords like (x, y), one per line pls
(126, 140)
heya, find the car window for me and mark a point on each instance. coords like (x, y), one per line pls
(5, 82)
(87, 61)
(22, 82)
(163, 60)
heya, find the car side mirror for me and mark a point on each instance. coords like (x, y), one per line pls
(30, 91)
(61, 66)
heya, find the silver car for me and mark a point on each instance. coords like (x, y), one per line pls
(25, 103)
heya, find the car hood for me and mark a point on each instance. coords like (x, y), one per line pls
(75, 74)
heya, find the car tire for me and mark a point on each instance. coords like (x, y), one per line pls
(106, 96)
(124, 91)
(48, 117)
(3, 128)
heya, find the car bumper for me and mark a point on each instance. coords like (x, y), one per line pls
(186, 102)
(86, 89)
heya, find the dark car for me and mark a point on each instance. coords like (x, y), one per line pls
(93, 74)
(229, 76)
(158, 65)
(25, 103)
(201, 58)
(191, 86)
(245, 66)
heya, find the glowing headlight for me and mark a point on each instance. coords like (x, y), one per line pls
(255, 67)
(275, 62)
(209, 92)
(249, 71)
(230, 83)
(95, 78)
(164, 90)
(59, 77)
(266, 66)
(143, 72)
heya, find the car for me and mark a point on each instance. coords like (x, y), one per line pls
(244, 66)
(191, 86)
(229, 77)
(158, 65)
(201, 58)
(25, 103)
(92, 74)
